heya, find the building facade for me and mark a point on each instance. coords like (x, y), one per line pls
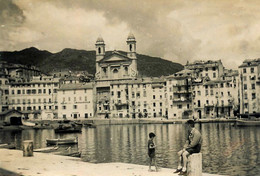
(249, 73)
(37, 98)
(75, 101)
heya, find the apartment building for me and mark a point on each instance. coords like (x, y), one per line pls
(249, 73)
(36, 99)
(4, 92)
(216, 98)
(76, 101)
(139, 98)
(210, 68)
(180, 94)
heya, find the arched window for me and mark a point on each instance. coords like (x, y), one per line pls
(99, 50)
(115, 71)
(130, 47)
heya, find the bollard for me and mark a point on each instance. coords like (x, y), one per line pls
(28, 148)
(194, 166)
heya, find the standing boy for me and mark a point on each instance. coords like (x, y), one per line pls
(151, 151)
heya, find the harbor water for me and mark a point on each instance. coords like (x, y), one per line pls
(226, 149)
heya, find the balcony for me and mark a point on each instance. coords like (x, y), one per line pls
(181, 100)
(182, 92)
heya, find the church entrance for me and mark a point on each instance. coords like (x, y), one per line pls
(115, 73)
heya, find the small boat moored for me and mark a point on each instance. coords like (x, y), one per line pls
(68, 128)
(246, 122)
(62, 141)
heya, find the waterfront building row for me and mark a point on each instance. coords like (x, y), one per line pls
(204, 89)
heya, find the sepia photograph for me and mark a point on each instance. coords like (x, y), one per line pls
(129, 87)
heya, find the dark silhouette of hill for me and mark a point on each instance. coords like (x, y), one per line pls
(73, 59)
(28, 56)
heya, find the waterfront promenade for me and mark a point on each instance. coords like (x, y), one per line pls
(50, 165)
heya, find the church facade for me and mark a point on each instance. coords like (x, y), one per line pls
(110, 67)
(115, 65)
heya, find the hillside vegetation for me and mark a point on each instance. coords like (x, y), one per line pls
(73, 59)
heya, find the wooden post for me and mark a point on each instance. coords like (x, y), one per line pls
(28, 148)
(194, 166)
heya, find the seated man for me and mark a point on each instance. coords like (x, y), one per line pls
(192, 145)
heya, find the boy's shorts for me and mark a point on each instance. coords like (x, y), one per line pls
(195, 149)
(151, 154)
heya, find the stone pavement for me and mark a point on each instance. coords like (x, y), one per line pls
(46, 164)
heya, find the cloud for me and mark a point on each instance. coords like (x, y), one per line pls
(173, 29)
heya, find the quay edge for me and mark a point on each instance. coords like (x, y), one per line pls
(49, 165)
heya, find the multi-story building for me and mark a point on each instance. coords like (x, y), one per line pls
(75, 101)
(216, 98)
(203, 90)
(18, 71)
(180, 94)
(36, 99)
(4, 92)
(143, 97)
(211, 69)
(249, 94)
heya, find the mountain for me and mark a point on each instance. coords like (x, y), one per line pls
(29, 56)
(73, 59)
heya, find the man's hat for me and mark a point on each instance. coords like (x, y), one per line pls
(190, 122)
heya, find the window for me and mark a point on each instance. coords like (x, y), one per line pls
(211, 92)
(253, 96)
(119, 94)
(245, 86)
(63, 107)
(246, 96)
(112, 93)
(244, 78)
(179, 106)
(252, 70)
(154, 104)
(207, 92)
(161, 104)
(74, 106)
(244, 70)
(253, 86)
(214, 75)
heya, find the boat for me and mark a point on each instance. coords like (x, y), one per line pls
(62, 141)
(46, 149)
(247, 122)
(68, 129)
(90, 125)
(28, 124)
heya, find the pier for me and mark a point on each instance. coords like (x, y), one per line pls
(49, 165)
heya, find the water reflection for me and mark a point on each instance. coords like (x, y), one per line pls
(226, 149)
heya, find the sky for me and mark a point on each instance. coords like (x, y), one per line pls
(176, 30)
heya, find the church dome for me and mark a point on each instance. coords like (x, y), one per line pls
(100, 40)
(131, 36)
